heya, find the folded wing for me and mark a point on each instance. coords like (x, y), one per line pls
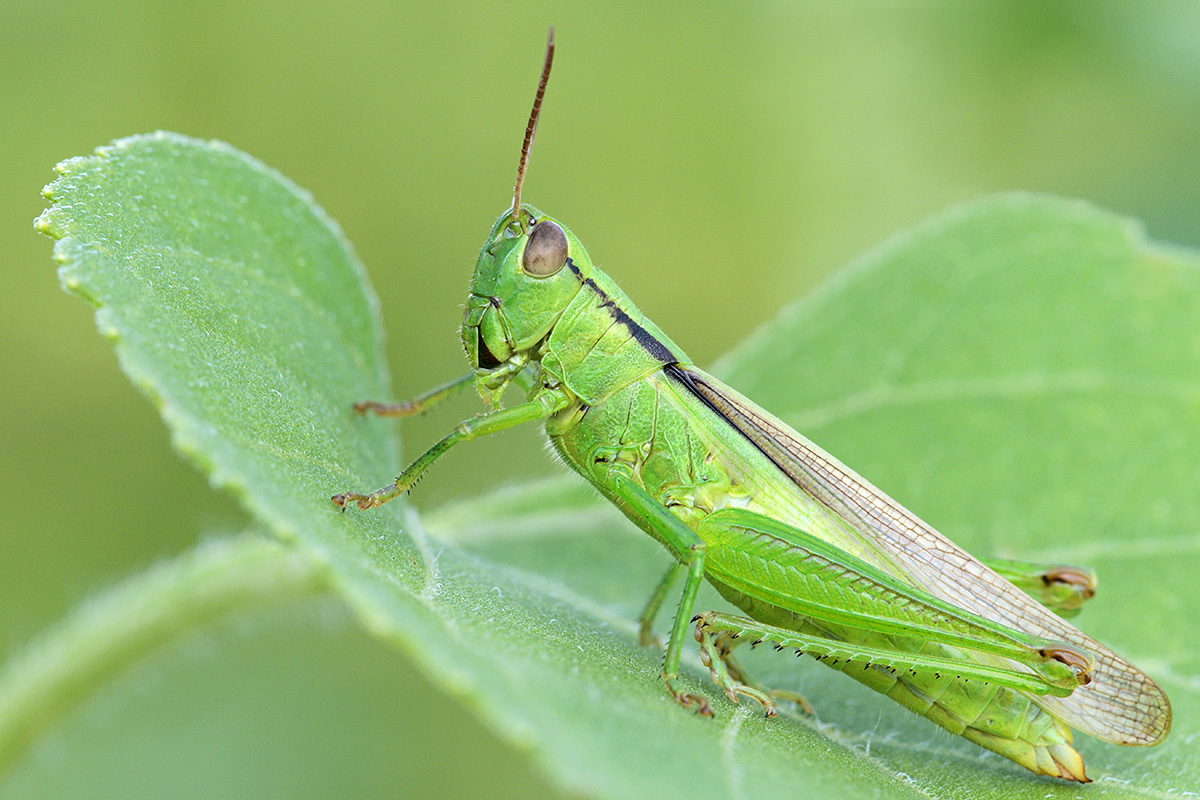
(1121, 704)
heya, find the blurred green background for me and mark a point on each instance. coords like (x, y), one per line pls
(718, 159)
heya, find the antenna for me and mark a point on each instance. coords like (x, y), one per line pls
(531, 128)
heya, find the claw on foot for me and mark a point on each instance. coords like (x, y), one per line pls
(689, 700)
(363, 501)
(795, 697)
(733, 690)
(386, 409)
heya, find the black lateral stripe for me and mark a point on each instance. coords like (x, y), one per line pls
(676, 372)
(688, 383)
(657, 350)
(574, 269)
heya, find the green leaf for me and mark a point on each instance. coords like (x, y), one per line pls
(1022, 372)
(71, 660)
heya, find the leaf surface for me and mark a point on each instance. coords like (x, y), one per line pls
(1022, 372)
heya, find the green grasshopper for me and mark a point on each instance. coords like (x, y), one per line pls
(819, 560)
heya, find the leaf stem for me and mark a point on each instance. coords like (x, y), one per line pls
(108, 632)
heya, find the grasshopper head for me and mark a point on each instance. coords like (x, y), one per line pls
(528, 272)
(530, 269)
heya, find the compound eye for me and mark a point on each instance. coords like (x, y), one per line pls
(546, 251)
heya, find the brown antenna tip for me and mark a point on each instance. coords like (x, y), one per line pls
(531, 128)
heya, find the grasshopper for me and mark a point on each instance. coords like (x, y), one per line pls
(818, 559)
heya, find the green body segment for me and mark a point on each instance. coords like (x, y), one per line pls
(682, 457)
(817, 558)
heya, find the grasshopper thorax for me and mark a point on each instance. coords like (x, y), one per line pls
(528, 272)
